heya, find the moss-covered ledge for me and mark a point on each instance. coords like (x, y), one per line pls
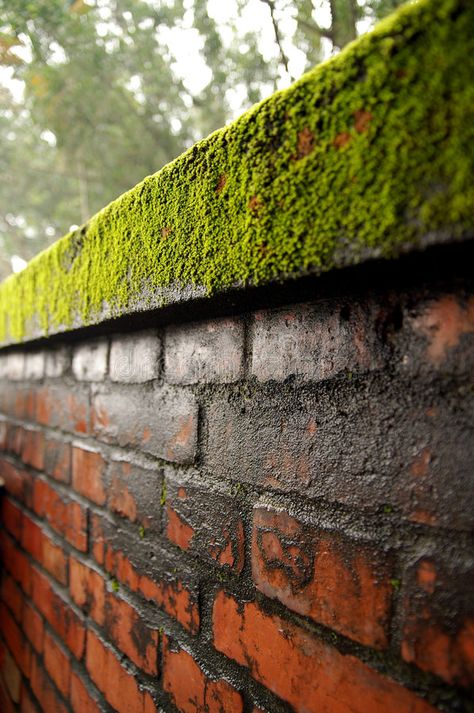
(369, 155)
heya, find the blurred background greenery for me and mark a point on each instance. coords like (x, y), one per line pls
(97, 94)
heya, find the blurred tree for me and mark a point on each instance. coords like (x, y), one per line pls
(104, 102)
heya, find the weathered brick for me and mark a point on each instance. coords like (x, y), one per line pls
(205, 352)
(131, 635)
(11, 517)
(32, 452)
(302, 670)
(11, 675)
(134, 358)
(18, 482)
(80, 698)
(88, 473)
(87, 589)
(15, 436)
(11, 596)
(438, 620)
(191, 689)
(103, 667)
(59, 614)
(27, 703)
(206, 523)
(16, 641)
(159, 421)
(33, 626)
(57, 664)
(57, 362)
(67, 517)
(34, 366)
(60, 407)
(44, 550)
(134, 493)
(44, 690)
(18, 400)
(15, 562)
(338, 582)
(57, 459)
(15, 366)
(315, 341)
(89, 360)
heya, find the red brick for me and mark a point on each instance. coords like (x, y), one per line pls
(58, 614)
(10, 674)
(33, 449)
(44, 550)
(131, 635)
(18, 482)
(16, 641)
(33, 627)
(342, 584)
(59, 406)
(87, 589)
(88, 470)
(43, 689)
(134, 493)
(177, 530)
(65, 516)
(191, 690)
(11, 518)
(3, 434)
(6, 704)
(27, 704)
(103, 667)
(429, 641)
(81, 700)
(302, 670)
(443, 323)
(15, 435)
(57, 664)
(57, 460)
(172, 596)
(97, 538)
(16, 563)
(12, 597)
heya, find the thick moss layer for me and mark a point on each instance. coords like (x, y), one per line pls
(369, 154)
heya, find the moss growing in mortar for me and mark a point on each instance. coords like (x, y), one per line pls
(366, 155)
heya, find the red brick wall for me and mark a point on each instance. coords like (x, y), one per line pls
(264, 512)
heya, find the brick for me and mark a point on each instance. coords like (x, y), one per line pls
(57, 460)
(65, 516)
(44, 550)
(103, 667)
(15, 436)
(11, 596)
(162, 422)
(15, 366)
(58, 613)
(33, 449)
(134, 493)
(135, 358)
(33, 626)
(57, 362)
(6, 703)
(44, 690)
(18, 400)
(34, 366)
(438, 620)
(314, 341)
(88, 472)
(18, 482)
(89, 361)
(126, 629)
(15, 640)
(205, 352)
(59, 406)
(16, 563)
(191, 690)
(3, 434)
(335, 581)
(81, 700)
(172, 596)
(57, 664)
(11, 517)
(27, 704)
(11, 675)
(87, 589)
(206, 523)
(305, 672)
(97, 538)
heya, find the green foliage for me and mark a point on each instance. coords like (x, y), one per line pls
(365, 155)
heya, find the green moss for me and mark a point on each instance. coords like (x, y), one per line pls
(366, 155)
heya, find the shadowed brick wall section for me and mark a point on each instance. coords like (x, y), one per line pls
(265, 512)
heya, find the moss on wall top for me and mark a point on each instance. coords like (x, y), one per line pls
(368, 155)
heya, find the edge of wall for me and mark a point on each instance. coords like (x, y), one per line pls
(368, 156)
